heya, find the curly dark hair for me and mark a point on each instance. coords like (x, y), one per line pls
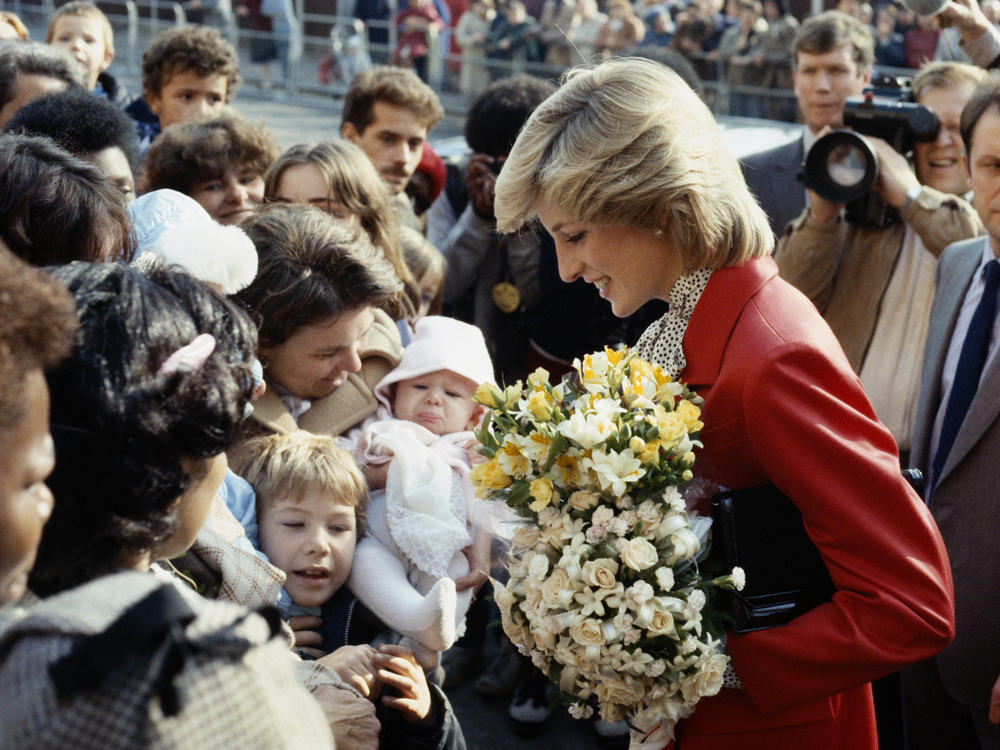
(500, 111)
(196, 49)
(310, 268)
(121, 428)
(193, 152)
(36, 329)
(56, 208)
(80, 122)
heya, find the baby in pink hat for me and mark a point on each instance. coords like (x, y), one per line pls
(424, 523)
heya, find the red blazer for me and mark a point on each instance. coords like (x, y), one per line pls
(783, 405)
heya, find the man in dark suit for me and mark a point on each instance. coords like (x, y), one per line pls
(953, 700)
(833, 54)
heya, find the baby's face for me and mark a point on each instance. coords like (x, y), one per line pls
(441, 401)
(312, 539)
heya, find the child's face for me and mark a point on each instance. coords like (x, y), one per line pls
(441, 401)
(26, 459)
(232, 196)
(312, 539)
(83, 38)
(187, 96)
(429, 284)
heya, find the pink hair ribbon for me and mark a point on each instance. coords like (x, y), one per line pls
(191, 356)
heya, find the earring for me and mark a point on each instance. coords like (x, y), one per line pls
(658, 232)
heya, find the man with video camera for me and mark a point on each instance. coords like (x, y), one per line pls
(832, 58)
(873, 281)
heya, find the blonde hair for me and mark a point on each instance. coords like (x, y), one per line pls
(15, 23)
(629, 143)
(352, 181)
(86, 10)
(945, 74)
(287, 466)
(423, 258)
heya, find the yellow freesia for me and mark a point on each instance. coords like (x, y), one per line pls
(540, 405)
(651, 453)
(672, 427)
(541, 491)
(690, 415)
(539, 378)
(568, 470)
(488, 395)
(513, 461)
(614, 355)
(488, 476)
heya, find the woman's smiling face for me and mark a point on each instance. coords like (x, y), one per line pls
(317, 358)
(629, 266)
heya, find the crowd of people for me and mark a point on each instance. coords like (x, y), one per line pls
(237, 382)
(743, 43)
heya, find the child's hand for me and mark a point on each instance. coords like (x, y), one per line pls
(307, 637)
(355, 666)
(375, 475)
(472, 453)
(478, 555)
(398, 668)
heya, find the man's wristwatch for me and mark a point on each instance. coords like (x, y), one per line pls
(912, 193)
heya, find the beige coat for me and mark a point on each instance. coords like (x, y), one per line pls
(346, 406)
(845, 269)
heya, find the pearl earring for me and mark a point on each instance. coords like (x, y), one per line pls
(658, 232)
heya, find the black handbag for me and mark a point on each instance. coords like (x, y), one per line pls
(760, 530)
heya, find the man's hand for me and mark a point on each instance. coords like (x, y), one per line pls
(967, 17)
(480, 183)
(822, 210)
(995, 703)
(398, 668)
(307, 637)
(355, 666)
(895, 176)
(351, 718)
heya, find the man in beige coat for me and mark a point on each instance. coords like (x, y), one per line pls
(874, 285)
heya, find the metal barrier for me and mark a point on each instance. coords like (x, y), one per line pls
(346, 39)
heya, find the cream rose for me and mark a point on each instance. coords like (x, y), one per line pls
(601, 572)
(707, 680)
(661, 622)
(538, 567)
(587, 632)
(556, 584)
(639, 554)
(582, 500)
(625, 692)
(526, 537)
(686, 545)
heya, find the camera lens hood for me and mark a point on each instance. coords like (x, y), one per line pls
(840, 167)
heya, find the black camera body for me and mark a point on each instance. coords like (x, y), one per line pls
(842, 166)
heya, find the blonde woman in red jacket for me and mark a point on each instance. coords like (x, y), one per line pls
(626, 169)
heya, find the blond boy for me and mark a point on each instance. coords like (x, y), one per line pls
(311, 500)
(80, 28)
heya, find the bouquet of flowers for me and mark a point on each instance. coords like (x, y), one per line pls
(605, 594)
